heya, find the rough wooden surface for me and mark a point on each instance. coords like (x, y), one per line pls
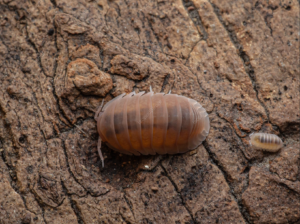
(60, 58)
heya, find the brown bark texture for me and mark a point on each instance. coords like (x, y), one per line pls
(60, 58)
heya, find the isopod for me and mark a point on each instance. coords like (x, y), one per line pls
(151, 124)
(268, 142)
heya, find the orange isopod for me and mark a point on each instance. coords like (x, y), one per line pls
(151, 123)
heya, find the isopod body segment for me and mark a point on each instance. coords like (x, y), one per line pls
(267, 142)
(151, 123)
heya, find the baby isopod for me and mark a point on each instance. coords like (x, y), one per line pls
(268, 142)
(151, 123)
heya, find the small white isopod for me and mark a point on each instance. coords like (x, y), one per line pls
(267, 142)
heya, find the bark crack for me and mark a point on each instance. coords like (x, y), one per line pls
(61, 112)
(73, 206)
(156, 37)
(14, 185)
(68, 165)
(242, 54)
(214, 160)
(178, 192)
(196, 19)
(129, 205)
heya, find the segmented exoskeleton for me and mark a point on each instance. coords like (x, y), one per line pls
(151, 123)
(268, 142)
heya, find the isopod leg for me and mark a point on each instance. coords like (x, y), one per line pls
(98, 111)
(99, 151)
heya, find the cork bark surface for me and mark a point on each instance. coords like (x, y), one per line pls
(60, 58)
